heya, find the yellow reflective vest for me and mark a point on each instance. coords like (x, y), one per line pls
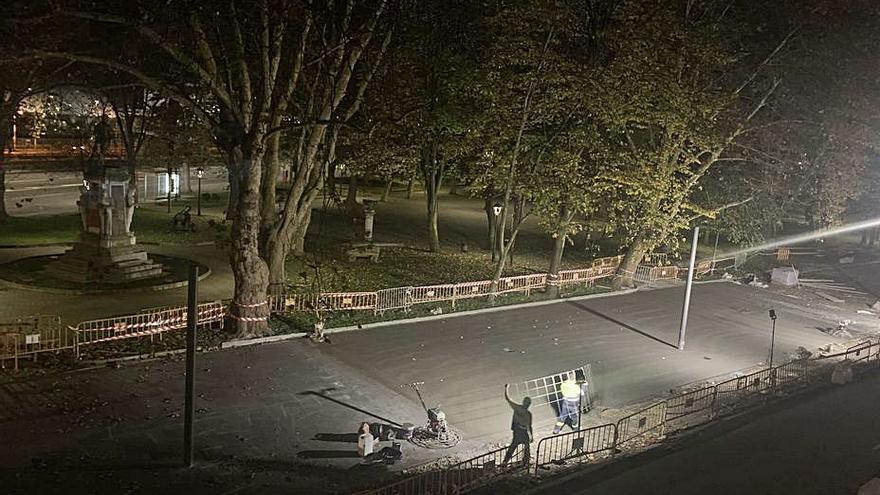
(570, 390)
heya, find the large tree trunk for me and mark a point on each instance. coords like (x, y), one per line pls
(518, 217)
(559, 238)
(433, 217)
(271, 164)
(433, 169)
(276, 260)
(634, 255)
(555, 262)
(249, 311)
(302, 228)
(232, 200)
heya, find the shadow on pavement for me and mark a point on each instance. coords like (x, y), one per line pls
(328, 454)
(337, 437)
(322, 395)
(622, 324)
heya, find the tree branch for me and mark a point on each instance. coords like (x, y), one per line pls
(148, 81)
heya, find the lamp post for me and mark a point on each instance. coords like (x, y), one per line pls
(498, 239)
(772, 313)
(687, 291)
(200, 172)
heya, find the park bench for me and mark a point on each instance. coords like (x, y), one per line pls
(369, 251)
(182, 221)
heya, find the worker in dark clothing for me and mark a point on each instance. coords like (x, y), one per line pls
(521, 425)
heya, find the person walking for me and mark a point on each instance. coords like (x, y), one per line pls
(521, 425)
(569, 406)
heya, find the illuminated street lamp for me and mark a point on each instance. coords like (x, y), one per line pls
(772, 313)
(200, 172)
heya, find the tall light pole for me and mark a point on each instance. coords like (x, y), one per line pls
(200, 172)
(687, 291)
(497, 242)
(772, 313)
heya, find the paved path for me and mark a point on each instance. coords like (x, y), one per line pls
(263, 405)
(627, 340)
(824, 443)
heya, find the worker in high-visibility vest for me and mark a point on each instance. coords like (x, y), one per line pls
(569, 406)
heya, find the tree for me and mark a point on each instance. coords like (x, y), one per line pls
(20, 78)
(425, 100)
(538, 135)
(808, 163)
(670, 112)
(249, 69)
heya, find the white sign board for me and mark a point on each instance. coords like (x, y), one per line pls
(32, 339)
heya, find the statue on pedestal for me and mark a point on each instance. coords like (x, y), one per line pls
(107, 250)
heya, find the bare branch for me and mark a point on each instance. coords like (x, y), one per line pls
(182, 58)
(766, 61)
(245, 97)
(148, 81)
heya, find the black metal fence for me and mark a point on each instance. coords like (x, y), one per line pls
(643, 426)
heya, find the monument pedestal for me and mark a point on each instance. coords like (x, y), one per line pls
(107, 250)
(111, 260)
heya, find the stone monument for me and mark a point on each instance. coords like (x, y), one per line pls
(107, 250)
(369, 214)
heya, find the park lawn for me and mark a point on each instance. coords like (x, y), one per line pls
(396, 267)
(27, 231)
(151, 225)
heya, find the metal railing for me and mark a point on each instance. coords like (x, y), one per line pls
(141, 324)
(458, 478)
(152, 321)
(432, 293)
(648, 424)
(557, 449)
(31, 336)
(408, 296)
(522, 283)
(649, 419)
(690, 403)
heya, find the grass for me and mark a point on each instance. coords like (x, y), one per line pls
(151, 224)
(26, 231)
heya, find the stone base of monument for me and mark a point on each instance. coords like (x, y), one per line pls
(105, 260)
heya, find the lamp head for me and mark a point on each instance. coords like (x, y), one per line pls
(496, 208)
(200, 172)
(772, 314)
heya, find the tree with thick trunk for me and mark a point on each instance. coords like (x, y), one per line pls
(560, 237)
(242, 67)
(433, 168)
